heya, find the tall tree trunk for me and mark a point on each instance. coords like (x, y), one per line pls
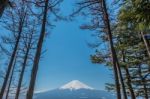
(121, 78)
(128, 76)
(116, 65)
(38, 54)
(23, 66)
(106, 20)
(11, 77)
(12, 58)
(146, 44)
(129, 84)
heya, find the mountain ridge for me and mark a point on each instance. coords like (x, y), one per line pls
(74, 90)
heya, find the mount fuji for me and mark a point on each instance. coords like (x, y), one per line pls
(74, 90)
(75, 85)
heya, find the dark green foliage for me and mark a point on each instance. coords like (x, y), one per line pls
(133, 17)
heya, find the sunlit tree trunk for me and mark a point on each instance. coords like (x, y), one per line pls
(38, 54)
(116, 66)
(112, 50)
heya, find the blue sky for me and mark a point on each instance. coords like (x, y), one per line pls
(68, 56)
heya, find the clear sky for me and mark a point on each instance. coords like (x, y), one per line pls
(68, 56)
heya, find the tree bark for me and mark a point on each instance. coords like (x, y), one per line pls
(129, 83)
(11, 77)
(116, 65)
(128, 76)
(121, 78)
(38, 54)
(23, 66)
(107, 23)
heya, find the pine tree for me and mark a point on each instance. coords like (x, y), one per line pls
(98, 10)
(137, 12)
(46, 5)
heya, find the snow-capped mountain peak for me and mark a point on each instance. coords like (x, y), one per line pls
(75, 85)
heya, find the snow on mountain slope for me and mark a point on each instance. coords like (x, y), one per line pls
(74, 90)
(75, 85)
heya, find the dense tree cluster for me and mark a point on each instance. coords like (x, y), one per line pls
(130, 34)
(22, 45)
